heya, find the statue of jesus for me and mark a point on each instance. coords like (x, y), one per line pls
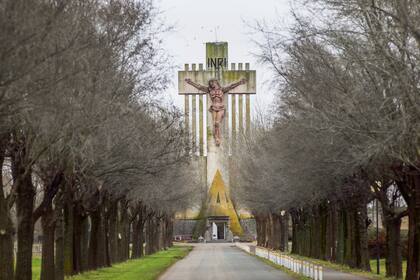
(217, 107)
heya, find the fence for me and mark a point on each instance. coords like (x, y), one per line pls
(304, 268)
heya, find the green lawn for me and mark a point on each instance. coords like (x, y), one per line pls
(146, 268)
(36, 268)
(382, 267)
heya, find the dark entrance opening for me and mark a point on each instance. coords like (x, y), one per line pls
(217, 227)
(220, 230)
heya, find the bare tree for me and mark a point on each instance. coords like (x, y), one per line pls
(347, 121)
(79, 113)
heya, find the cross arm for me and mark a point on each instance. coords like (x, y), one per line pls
(197, 85)
(233, 85)
(231, 78)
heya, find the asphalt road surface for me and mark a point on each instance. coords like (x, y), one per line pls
(221, 261)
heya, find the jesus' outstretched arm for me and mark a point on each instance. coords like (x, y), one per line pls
(197, 86)
(234, 85)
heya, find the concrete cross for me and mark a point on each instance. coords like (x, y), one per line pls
(222, 89)
(217, 68)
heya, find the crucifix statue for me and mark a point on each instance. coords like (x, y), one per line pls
(206, 85)
(217, 107)
(224, 90)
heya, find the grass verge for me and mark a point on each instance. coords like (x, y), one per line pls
(344, 268)
(36, 268)
(146, 268)
(382, 268)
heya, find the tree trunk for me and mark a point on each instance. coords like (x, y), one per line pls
(134, 238)
(350, 250)
(25, 226)
(413, 258)
(68, 235)
(97, 242)
(124, 228)
(323, 211)
(113, 232)
(331, 232)
(152, 235)
(160, 234)
(284, 235)
(171, 233)
(6, 227)
(264, 236)
(363, 261)
(59, 240)
(77, 239)
(393, 248)
(317, 238)
(341, 236)
(276, 231)
(295, 243)
(149, 233)
(48, 239)
(258, 229)
(105, 222)
(93, 261)
(410, 189)
(269, 231)
(168, 232)
(150, 230)
(84, 242)
(6, 241)
(140, 232)
(392, 224)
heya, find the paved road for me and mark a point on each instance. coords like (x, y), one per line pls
(221, 261)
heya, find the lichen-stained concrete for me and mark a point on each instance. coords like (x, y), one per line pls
(222, 261)
(220, 204)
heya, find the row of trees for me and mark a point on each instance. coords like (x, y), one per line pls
(346, 131)
(86, 148)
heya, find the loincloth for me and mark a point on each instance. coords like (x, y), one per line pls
(217, 108)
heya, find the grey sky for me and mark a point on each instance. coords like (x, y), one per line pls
(195, 23)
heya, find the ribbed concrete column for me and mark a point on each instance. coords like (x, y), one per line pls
(233, 112)
(187, 109)
(226, 125)
(241, 113)
(200, 125)
(248, 109)
(194, 123)
(187, 113)
(241, 108)
(248, 114)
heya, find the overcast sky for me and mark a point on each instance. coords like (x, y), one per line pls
(198, 21)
